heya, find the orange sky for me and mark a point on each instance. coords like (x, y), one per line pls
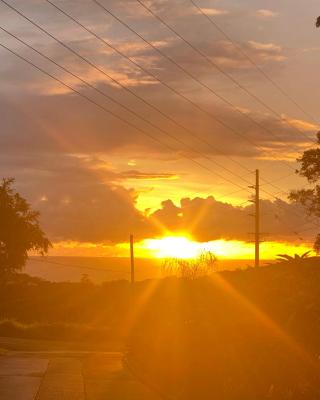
(164, 137)
(179, 247)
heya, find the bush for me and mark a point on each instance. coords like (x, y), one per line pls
(192, 268)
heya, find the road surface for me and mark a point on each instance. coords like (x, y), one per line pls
(68, 375)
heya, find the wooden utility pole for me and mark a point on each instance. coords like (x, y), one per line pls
(257, 220)
(132, 258)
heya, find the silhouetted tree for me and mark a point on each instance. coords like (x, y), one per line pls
(310, 198)
(318, 22)
(20, 231)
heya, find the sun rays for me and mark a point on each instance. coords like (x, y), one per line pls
(183, 246)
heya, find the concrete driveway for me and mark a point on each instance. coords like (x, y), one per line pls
(68, 375)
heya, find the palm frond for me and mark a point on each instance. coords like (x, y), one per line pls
(284, 257)
(306, 254)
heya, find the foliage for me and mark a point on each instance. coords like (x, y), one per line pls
(192, 268)
(310, 198)
(85, 279)
(53, 331)
(250, 335)
(20, 231)
(295, 258)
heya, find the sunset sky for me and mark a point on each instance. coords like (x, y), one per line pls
(173, 169)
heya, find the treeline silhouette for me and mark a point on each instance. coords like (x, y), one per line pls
(34, 308)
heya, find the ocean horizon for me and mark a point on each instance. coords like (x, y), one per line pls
(104, 269)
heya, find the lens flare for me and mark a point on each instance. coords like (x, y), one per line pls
(174, 247)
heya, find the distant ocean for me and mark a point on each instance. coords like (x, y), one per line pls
(103, 269)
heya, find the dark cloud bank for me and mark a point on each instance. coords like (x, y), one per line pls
(52, 146)
(79, 201)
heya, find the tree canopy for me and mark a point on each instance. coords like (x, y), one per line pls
(20, 230)
(310, 198)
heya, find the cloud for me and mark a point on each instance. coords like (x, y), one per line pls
(77, 200)
(59, 146)
(83, 202)
(213, 11)
(109, 67)
(132, 174)
(222, 52)
(304, 125)
(107, 60)
(67, 124)
(268, 47)
(264, 13)
(208, 219)
(263, 53)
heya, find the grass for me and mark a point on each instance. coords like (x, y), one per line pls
(52, 331)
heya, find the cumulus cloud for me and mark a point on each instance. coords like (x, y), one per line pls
(208, 219)
(78, 201)
(267, 51)
(213, 11)
(304, 125)
(225, 54)
(81, 201)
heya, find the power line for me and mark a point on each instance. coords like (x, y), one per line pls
(120, 104)
(195, 49)
(284, 222)
(220, 69)
(132, 125)
(295, 232)
(155, 77)
(252, 62)
(101, 107)
(183, 69)
(46, 261)
(170, 87)
(117, 82)
(118, 117)
(114, 80)
(162, 82)
(281, 178)
(109, 77)
(163, 54)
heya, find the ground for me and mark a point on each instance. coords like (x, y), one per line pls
(41, 371)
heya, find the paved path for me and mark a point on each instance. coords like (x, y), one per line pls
(68, 376)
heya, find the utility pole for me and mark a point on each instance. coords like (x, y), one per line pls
(257, 220)
(132, 258)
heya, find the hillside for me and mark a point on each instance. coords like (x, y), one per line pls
(251, 334)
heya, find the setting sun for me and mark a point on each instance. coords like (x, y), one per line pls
(174, 247)
(184, 247)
